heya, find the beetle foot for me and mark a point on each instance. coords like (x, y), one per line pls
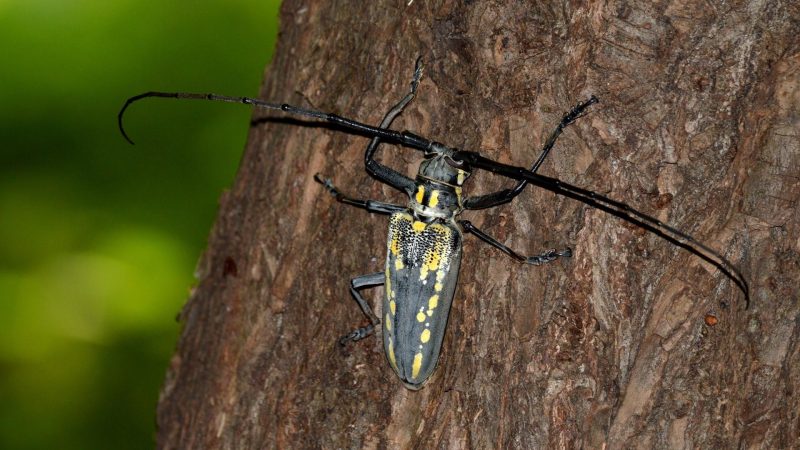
(548, 256)
(356, 335)
(327, 183)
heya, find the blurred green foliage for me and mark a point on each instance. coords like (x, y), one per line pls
(98, 239)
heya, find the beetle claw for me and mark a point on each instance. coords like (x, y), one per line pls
(326, 182)
(356, 335)
(548, 256)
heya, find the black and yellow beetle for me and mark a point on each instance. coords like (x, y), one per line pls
(423, 248)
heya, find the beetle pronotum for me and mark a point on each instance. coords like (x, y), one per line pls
(425, 236)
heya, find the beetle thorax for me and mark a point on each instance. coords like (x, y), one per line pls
(433, 199)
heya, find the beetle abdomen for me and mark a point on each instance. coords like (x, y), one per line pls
(421, 273)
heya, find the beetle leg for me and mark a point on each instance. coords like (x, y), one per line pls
(383, 173)
(369, 205)
(506, 195)
(356, 284)
(545, 257)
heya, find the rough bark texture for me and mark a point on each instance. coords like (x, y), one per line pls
(697, 125)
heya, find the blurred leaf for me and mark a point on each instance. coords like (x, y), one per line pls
(98, 239)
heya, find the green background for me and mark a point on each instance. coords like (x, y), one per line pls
(99, 239)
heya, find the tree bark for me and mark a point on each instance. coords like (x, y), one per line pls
(631, 343)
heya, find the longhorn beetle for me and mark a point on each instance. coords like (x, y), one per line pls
(425, 237)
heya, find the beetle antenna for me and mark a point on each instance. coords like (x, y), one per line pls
(619, 209)
(401, 137)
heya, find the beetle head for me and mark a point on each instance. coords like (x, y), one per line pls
(440, 165)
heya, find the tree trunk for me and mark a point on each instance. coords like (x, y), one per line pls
(631, 343)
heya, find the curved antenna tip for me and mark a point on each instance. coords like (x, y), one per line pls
(121, 114)
(125, 135)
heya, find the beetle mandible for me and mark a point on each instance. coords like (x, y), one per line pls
(423, 250)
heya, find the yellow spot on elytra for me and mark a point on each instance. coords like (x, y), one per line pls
(434, 200)
(391, 355)
(398, 264)
(394, 249)
(437, 251)
(425, 336)
(461, 176)
(435, 258)
(420, 193)
(420, 317)
(437, 287)
(388, 323)
(416, 366)
(393, 306)
(418, 226)
(433, 302)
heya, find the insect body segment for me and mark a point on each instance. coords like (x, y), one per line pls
(434, 199)
(422, 265)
